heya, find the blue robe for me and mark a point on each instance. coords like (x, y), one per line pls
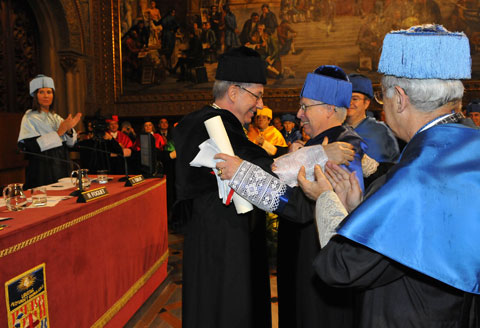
(382, 145)
(422, 217)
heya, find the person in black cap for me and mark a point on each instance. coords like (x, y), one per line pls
(473, 111)
(225, 267)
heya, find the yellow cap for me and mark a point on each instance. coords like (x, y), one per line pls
(265, 111)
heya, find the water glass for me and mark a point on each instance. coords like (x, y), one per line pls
(39, 196)
(102, 176)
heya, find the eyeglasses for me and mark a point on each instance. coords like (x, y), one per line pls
(258, 97)
(379, 96)
(357, 98)
(304, 107)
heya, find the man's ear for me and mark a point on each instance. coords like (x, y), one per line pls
(232, 93)
(367, 101)
(402, 99)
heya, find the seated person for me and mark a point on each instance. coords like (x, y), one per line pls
(266, 135)
(290, 131)
(148, 127)
(129, 131)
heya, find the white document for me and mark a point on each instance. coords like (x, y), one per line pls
(216, 131)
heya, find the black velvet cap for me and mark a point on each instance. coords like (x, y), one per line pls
(241, 64)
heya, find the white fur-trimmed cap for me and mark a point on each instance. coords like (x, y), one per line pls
(426, 52)
(41, 81)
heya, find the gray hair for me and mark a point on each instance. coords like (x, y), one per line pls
(426, 95)
(220, 87)
(341, 113)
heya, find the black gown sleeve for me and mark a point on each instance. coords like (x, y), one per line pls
(344, 263)
(299, 208)
(30, 145)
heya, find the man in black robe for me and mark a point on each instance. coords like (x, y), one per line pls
(225, 267)
(410, 249)
(304, 300)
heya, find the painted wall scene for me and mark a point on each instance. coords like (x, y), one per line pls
(166, 48)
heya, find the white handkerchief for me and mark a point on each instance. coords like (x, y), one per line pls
(208, 149)
(287, 166)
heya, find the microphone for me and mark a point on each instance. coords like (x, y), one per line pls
(126, 177)
(80, 180)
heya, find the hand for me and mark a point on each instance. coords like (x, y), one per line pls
(173, 154)
(338, 152)
(127, 152)
(68, 123)
(313, 189)
(345, 184)
(260, 140)
(107, 136)
(296, 145)
(229, 165)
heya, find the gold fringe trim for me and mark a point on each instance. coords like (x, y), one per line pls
(53, 231)
(104, 319)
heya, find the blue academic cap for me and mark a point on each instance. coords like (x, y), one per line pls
(41, 81)
(361, 84)
(426, 52)
(474, 106)
(329, 84)
(288, 118)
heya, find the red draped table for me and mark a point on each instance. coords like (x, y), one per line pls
(103, 259)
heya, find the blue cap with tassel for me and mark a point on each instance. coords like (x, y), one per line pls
(329, 84)
(426, 52)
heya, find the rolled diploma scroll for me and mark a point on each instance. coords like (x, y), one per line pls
(216, 131)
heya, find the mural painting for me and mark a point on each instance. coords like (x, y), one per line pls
(163, 52)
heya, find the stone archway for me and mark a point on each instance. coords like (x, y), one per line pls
(61, 38)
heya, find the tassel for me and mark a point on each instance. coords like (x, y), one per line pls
(426, 52)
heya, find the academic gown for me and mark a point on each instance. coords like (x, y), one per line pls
(225, 267)
(394, 293)
(382, 145)
(304, 300)
(38, 135)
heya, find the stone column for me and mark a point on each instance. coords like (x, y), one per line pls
(69, 60)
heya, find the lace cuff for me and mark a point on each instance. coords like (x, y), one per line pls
(258, 187)
(369, 166)
(329, 212)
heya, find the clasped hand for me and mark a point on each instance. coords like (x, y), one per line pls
(344, 183)
(68, 123)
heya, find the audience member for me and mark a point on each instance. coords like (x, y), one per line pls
(381, 143)
(265, 135)
(290, 131)
(128, 130)
(277, 123)
(473, 111)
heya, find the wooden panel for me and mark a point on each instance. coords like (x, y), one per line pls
(12, 165)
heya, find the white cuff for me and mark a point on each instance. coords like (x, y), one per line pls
(329, 212)
(49, 141)
(269, 148)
